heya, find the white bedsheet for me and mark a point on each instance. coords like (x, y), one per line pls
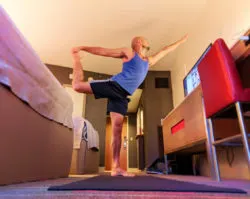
(23, 71)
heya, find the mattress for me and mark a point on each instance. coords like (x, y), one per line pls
(28, 78)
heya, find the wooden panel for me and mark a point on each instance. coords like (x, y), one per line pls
(84, 160)
(243, 67)
(239, 50)
(32, 147)
(228, 127)
(241, 54)
(190, 110)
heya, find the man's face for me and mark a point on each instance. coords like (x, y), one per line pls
(140, 44)
(145, 45)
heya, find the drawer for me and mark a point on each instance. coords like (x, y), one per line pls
(185, 124)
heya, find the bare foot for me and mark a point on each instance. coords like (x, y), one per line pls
(75, 50)
(120, 172)
(76, 56)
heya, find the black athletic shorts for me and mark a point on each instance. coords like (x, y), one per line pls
(117, 96)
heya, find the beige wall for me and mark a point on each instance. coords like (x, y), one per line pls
(223, 19)
(156, 104)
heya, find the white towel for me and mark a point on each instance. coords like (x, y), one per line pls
(78, 124)
(84, 130)
(92, 136)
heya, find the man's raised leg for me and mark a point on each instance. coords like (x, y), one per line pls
(78, 83)
(117, 123)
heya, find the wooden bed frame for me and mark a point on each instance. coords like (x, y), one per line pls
(32, 147)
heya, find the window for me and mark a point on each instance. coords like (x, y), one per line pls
(161, 82)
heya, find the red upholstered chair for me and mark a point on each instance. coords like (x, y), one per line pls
(222, 92)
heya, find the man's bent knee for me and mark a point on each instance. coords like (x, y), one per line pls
(82, 87)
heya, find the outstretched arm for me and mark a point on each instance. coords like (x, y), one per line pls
(106, 52)
(163, 52)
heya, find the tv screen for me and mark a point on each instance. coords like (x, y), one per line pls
(192, 79)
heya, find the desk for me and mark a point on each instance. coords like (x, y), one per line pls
(191, 138)
(184, 129)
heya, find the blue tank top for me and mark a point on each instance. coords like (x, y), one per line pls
(132, 75)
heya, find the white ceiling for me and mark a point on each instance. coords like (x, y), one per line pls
(53, 27)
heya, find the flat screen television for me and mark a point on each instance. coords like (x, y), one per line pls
(192, 79)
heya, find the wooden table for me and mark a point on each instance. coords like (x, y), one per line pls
(184, 129)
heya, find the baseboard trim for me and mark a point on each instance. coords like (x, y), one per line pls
(101, 169)
(134, 170)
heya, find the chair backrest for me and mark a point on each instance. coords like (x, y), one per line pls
(220, 81)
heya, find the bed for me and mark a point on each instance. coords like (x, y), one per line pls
(35, 113)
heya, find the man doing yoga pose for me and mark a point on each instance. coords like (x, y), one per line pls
(116, 89)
